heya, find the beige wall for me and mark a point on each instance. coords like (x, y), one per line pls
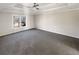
(6, 23)
(66, 23)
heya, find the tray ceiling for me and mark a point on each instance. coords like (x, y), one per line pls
(42, 6)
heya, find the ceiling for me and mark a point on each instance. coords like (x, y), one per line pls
(17, 5)
(42, 6)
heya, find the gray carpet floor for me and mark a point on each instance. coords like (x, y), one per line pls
(38, 42)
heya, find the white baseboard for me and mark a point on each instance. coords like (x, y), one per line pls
(14, 32)
(58, 33)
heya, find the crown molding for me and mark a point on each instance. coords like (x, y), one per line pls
(56, 10)
(13, 10)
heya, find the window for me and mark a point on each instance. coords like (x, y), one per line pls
(23, 21)
(19, 21)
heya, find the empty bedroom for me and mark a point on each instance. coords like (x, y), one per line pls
(39, 28)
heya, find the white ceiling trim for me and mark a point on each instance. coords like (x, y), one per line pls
(44, 8)
(65, 8)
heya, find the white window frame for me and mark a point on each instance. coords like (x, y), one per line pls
(19, 20)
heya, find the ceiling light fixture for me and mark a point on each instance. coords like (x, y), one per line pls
(36, 5)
